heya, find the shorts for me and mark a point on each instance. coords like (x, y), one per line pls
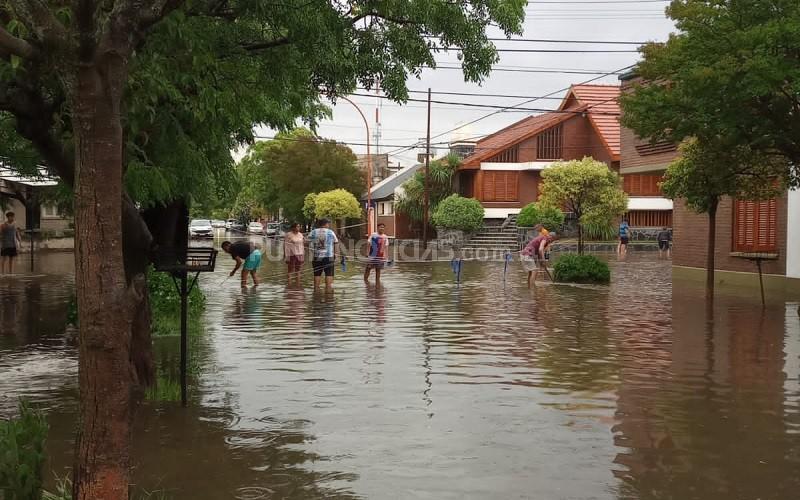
(323, 265)
(376, 264)
(253, 261)
(529, 263)
(663, 245)
(623, 240)
(295, 262)
(9, 252)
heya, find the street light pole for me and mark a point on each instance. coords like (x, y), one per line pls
(370, 211)
(427, 196)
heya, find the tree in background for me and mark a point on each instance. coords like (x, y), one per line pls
(729, 77)
(138, 103)
(278, 174)
(456, 212)
(706, 172)
(441, 186)
(310, 207)
(588, 189)
(532, 214)
(337, 204)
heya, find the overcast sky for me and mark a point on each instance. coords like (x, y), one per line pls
(606, 20)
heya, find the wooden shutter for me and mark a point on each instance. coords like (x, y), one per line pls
(500, 185)
(755, 226)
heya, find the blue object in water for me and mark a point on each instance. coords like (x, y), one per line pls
(344, 264)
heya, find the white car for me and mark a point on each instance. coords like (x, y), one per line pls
(201, 228)
(217, 224)
(255, 228)
(273, 228)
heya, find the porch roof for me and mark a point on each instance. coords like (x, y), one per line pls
(649, 203)
(40, 180)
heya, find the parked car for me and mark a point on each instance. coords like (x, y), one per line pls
(273, 229)
(201, 228)
(255, 228)
(217, 224)
(234, 225)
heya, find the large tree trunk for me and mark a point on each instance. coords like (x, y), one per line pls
(106, 302)
(711, 251)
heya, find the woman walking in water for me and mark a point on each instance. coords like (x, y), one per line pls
(10, 242)
(294, 252)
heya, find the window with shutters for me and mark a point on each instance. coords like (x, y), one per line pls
(549, 144)
(500, 186)
(755, 226)
(510, 155)
(642, 184)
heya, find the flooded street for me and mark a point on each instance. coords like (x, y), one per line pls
(424, 389)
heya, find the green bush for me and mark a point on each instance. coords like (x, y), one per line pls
(574, 268)
(22, 454)
(455, 212)
(551, 218)
(599, 231)
(165, 304)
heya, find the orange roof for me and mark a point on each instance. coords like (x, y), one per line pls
(600, 102)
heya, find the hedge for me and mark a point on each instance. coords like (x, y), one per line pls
(573, 268)
(455, 212)
(551, 218)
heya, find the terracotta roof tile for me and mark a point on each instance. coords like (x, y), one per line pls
(601, 102)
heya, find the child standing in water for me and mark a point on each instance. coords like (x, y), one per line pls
(378, 253)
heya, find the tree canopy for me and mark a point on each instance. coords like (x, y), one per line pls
(280, 173)
(587, 188)
(337, 204)
(441, 186)
(729, 75)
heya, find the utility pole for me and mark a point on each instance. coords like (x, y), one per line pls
(427, 197)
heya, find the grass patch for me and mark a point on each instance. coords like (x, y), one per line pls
(22, 456)
(166, 388)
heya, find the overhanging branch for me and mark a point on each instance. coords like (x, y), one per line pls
(16, 46)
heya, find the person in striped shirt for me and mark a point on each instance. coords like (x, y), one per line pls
(378, 253)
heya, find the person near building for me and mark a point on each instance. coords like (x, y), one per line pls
(624, 238)
(664, 239)
(10, 241)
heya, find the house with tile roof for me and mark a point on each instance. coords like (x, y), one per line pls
(504, 171)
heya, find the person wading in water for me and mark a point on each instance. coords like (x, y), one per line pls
(10, 240)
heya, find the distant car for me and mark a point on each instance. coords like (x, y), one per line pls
(255, 228)
(201, 228)
(273, 229)
(217, 224)
(234, 225)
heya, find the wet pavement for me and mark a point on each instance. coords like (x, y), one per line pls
(424, 389)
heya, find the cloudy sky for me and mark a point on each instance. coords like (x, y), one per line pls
(516, 74)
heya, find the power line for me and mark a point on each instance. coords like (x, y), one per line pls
(495, 106)
(521, 70)
(595, 2)
(523, 103)
(542, 40)
(557, 51)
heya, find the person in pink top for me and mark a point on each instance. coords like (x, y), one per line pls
(294, 252)
(537, 250)
(378, 253)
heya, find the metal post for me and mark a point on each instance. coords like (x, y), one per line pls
(184, 334)
(426, 198)
(761, 282)
(370, 211)
(33, 247)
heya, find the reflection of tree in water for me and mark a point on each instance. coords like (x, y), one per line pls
(573, 348)
(715, 427)
(206, 453)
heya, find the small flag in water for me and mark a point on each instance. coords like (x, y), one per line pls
(344, 264)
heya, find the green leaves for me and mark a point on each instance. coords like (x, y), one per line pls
(571, 268)
(455, 212)
(337, 204)
(441, 186)
(22, 457)
(549, 216)
(730, 76)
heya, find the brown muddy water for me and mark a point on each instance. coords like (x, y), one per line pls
(425, 390)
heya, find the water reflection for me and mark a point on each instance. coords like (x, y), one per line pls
(424, 389)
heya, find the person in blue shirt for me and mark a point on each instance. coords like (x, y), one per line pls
(624, 238)
(322, 243)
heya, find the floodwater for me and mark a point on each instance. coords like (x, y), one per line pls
(427, 390)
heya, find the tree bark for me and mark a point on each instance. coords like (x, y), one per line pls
(106, 302)
(712, 250)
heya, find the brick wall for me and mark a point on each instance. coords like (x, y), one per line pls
(689, 235)
(389, 221)
(629, 157)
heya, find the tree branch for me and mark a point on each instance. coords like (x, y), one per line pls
(16, 46)
(256, 46)
(41, 20)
